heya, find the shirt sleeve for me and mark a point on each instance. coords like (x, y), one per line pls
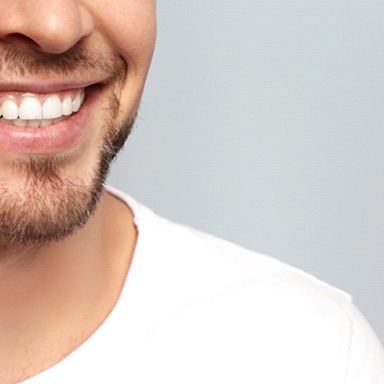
(366, 353)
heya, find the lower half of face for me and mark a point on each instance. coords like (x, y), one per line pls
(46, 196)
(64, 116)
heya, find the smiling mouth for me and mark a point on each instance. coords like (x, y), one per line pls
(39, 110)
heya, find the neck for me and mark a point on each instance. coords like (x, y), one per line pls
(32, 267)
(63, 283)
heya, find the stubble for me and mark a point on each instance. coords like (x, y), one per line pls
(50, 207)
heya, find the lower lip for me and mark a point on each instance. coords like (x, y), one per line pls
(59, 137)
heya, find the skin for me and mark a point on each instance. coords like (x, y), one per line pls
(54, 296)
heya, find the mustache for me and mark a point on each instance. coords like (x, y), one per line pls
(15, 62)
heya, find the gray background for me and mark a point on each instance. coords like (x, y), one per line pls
(263, 123)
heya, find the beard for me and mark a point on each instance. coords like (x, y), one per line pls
(50, 207)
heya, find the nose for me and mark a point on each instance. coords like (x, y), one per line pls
(49, 26)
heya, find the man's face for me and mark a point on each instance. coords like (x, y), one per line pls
(71, 78)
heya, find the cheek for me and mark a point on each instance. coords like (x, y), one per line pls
(131, 29)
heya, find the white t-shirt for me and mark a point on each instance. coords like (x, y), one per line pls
(197, 309)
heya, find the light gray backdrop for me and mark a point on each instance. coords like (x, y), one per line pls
(263, 123)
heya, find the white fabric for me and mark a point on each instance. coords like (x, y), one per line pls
(197, 309)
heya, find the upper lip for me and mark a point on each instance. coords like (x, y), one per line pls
(45, 85)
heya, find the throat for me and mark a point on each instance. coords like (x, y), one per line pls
(54, 301)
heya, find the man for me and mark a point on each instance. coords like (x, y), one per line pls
(95, 287)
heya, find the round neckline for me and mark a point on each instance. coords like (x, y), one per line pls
(113, 316)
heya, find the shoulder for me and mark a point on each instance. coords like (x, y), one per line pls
(186, 256)
(230, 304)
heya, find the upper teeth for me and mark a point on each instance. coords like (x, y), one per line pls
(31, 107)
